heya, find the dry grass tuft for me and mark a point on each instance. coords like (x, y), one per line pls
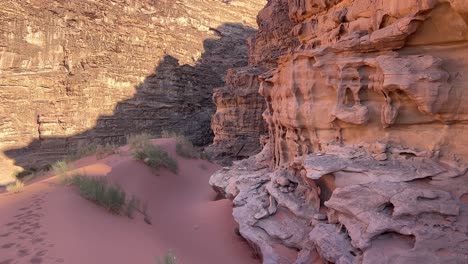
(16, 187)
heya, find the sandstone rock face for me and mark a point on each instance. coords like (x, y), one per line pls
(365, 161)
(238, 123)
(66, 65)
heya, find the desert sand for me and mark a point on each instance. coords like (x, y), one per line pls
(51, 223)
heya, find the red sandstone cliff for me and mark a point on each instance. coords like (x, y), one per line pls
(366, 160)
(74, 72)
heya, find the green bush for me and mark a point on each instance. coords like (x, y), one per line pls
(155, 157)
(16, 187)
(97, 190)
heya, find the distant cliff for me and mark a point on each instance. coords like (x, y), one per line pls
(65, 65)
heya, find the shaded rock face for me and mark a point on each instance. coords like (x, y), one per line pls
(238, 123)
(64, 65)
(365, 161)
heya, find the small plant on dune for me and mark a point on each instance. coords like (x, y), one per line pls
(170, 134)
(108, 149)
(61, 169)
(155, 157)
(16, 187)
(97, 190)
(101, 151)
(133, 206)
(169, 258)
(144, 211)
(186, 149)
(83, 151)
(139, 141)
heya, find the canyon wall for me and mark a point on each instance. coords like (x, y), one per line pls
(365, 159)
(79, 71)
(238, 124)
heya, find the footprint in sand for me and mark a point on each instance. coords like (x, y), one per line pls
(30, 239)
(8, 245)
(22, 253)
(5, 235)
(36, 260)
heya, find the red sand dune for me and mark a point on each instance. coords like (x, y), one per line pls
(52, 223)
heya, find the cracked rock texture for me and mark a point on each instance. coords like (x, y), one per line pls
(66, 65)
(365, 160)
(238, 124)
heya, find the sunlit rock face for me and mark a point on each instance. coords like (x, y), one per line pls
(75, 71)
(370, 71)
(366, 118)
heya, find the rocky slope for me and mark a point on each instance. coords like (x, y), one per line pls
(77, 71)
(366, 160)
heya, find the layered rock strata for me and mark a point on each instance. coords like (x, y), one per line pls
(66, 65)
(238, 123)
(365, 161)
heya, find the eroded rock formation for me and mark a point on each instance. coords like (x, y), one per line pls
(365, 161)
(238, 123)
(65, 65)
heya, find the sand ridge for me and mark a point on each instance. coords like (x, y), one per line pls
(51, 223)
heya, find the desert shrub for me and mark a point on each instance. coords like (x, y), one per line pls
(101, 151)
(16, 187)
(186, 149)
(155, 157)
(108, 149)
(169, 258)
(139, 141)
(144, 211)
(61, 169)
(83, 150)
(97, 190)
(134, 205)
(170, 134)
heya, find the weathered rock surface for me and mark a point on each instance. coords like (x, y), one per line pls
(366, 122)
(65, 65)
(238, 123)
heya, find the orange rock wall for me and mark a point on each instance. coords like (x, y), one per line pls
(367, 71)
